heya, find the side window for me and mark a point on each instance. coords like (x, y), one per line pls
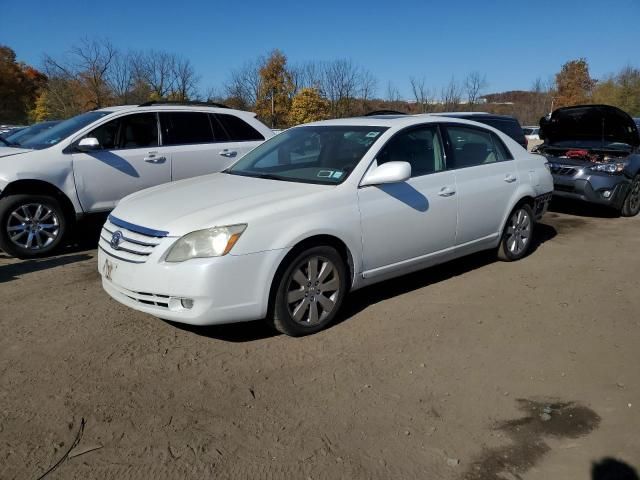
(218, 132)
(470, 147)
(107, 134)
(420, 147)
(237, 129)
(138, 131)
(502, 151)
(180, 128)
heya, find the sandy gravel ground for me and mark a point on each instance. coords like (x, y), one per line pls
(476, 369)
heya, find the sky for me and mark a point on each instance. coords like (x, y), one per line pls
(512, 43)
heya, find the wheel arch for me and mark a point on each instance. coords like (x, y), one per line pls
(41, 187)
(308, 242)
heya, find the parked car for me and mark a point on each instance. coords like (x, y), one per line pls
(531, 133)
(16, 138)
(88, 163)
(317, 211)
(594, 156)
(504, 123)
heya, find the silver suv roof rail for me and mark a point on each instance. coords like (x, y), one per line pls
(171, 102)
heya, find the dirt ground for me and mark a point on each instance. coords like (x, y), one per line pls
(473, 370)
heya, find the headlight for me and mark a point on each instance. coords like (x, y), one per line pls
(608, 167)
(211, 242)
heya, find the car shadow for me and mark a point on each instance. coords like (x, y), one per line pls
(14, 270)
(361, 299)
(582, 209)
(612, 469)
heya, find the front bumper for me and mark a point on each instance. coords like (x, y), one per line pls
(223, 289)
(602, 189)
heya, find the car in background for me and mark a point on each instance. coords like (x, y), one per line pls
(8, 129)
(531, 133)
(594, 156)
(87, 163)
(17, 137)
(319, 210)
(505, 123)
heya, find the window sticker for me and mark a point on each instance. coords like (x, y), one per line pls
(325, 174)
(372, 134)
(337, 175)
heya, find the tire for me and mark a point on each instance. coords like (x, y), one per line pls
(31, 225)
(518, 234)
(631, 204)
(296, 299)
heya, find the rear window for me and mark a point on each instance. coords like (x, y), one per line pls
(180, 128)
(237, 129)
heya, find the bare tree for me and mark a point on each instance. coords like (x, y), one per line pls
(243, 86)
(340, 86)
(156, 69)
(421, 93)
(474, 84)
(367, 90)
(451, 95)
(185, 80)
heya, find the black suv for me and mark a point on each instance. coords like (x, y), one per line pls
(505, 123)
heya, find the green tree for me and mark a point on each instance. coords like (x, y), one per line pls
(308, 106)
(275, 90)
(574, 85)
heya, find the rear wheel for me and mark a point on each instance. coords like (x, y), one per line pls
(631, 205)
(517, 235)
(309, 292)
(30, 225)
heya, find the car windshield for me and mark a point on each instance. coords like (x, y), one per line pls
(21, 136)
(315, 154)
(62, 130)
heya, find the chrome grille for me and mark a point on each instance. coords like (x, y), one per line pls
(134, 243)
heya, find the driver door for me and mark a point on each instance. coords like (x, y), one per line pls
(406, 224)
(128, 159)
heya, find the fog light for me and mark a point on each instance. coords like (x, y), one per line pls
(606, 193)
(186, 303)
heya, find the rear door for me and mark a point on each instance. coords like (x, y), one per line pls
(486, 179)
(128, 160)
(240, 136)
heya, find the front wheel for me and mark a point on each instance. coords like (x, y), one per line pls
(517, 235)
(30, 225)
(309, 292)
(631, 205)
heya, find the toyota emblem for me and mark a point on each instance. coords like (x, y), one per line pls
(116, 238)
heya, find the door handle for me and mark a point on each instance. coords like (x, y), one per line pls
(228, 153)
(510, 178)
(153, 158)
(446, 192)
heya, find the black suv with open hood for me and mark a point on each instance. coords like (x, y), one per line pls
(593, 152)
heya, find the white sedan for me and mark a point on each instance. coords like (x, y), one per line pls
(317, 211)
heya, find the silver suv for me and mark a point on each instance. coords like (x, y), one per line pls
(88, 163)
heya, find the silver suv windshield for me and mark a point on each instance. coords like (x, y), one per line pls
(316, 154)
(62, 130)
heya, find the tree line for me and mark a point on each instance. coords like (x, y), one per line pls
(95, 74)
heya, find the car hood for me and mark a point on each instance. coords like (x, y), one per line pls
(8, 151)
(212, 200)
(589, 123)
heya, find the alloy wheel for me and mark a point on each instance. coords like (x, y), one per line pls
(518, 232)
(634, 196)
(313, 290)
(33, 226)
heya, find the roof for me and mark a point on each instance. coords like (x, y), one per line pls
(391, 121)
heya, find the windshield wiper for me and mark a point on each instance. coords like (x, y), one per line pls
(266, 176)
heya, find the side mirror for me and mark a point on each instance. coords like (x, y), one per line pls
(88, 143)
(390, 172)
